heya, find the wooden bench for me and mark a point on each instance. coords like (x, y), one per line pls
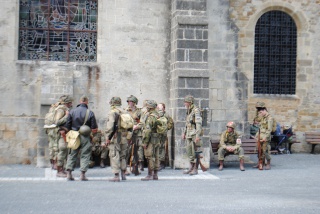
(248, 145)
(313, 138)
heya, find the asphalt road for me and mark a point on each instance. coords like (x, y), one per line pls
(291, 186)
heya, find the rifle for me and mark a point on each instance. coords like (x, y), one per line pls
(134, 167)
(259, 152)
(166, 162)
(198, 156)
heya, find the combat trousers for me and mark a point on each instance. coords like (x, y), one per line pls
(152, 153)
(162, 149)
(191, 151)
(63, 152)
(222, 152)
(85, 149)
(266, 153)
(117, 153)
(53, 137)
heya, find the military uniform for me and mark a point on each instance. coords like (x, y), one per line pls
(151, 141)
(119, 141)
(164, 139)
(192, 132)
(98, 150)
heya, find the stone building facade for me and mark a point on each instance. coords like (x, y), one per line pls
(162, 50)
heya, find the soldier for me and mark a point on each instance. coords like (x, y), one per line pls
(151, 141)
(163, 137)
(57, 145)
(266, 125)
(135, 113)
(117, 140)
(254, 127)
(192, 133)
(76, 120)
(98, 150)
(230, 143)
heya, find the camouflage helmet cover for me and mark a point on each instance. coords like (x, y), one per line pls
(260, 105)
(151, 104)
(132, 99)
(115, 101)
(231, 125)
(65, 99)
(189, 99)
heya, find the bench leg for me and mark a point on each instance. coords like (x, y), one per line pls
(312, 150)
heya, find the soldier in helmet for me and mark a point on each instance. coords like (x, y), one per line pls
(265, 130)
(116, 140)
(136, 113)
(57, 145)
(151, 141)
(192, 133)
(78, 117)
(98, 150)
(230, 143)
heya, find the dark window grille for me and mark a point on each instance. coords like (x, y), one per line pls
(58, 30)
(275, 54)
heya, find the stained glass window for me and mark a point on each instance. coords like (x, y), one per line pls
(275, 54)
(58, 30)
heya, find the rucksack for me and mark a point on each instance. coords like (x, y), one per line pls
(125, 120)
(52, 117)
(162, 125)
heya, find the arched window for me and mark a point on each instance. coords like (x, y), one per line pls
(275, 54)
(58, 30)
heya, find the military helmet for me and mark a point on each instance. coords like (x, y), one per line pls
(65, 99)
(260, 105)
(151, 104)
(189, 99)
(85, 130)
(132, 99)
(231, 125)
(115, 101)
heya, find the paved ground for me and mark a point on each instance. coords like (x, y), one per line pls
(291, 186)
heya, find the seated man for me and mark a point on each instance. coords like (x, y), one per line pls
(229, 143)
(98, 150)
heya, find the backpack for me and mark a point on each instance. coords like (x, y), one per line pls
(126, 121)
(162, 125)
(52, 117)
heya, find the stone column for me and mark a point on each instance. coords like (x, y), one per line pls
(188, 69)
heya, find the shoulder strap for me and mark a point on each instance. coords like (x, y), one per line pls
(86, 117)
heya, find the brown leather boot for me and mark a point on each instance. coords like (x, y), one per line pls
(149, 176)
(69, 176)
(268, 166)
(155, 175)
(123, 175)
(60, 172)
(241, 165)
(260, 165)
(102, 163)
(190, 168)
(220, 165)
(83, 176)
(195, 169)
(116, 178)
(141, 165)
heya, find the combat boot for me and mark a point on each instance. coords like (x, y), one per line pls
(54, 164)
(190, 169)
(155, 175)
(83, 176)
(116, 178)
(241, 165)
(221, 165)
(60, 172)
(149, 176)
(141, 165)
(123, 175)
(102, 163)
(69, 176)
(195, 169)
(268, 167)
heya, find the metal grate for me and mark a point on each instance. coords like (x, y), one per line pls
(58, 30)
(275, 54)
